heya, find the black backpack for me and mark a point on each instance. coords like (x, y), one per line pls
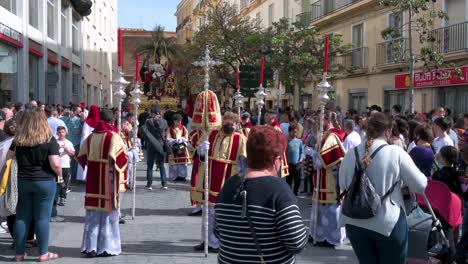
(362, 201)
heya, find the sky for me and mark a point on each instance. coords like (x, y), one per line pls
(147, 13)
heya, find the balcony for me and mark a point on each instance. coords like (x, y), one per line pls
(323, 8)
(355, 60)
(392, 53)
(451, 39)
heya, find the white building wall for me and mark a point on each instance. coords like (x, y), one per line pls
(19, 21)
(100, 52)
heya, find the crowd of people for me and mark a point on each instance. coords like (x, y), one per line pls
(43, 148)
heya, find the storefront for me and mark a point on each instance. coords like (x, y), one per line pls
(450, 90)
(10, 41)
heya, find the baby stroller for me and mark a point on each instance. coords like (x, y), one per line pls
(431, 223)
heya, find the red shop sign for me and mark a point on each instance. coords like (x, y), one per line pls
(435, 78)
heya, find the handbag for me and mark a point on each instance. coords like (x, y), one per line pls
(5, 176)
(362, 201)
(246, 214)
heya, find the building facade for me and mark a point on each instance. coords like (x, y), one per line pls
(185, 16)
(40, 51)
(132, 39)
(381, 71)
(99, 31)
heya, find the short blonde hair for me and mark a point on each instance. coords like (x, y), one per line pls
(33, 129)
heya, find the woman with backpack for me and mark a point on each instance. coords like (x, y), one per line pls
(383, 237)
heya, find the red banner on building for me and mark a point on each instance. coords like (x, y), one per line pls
(435, 78)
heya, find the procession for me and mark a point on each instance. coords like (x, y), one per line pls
(241, 137)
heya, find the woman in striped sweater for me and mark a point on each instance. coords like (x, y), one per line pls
(265, 225)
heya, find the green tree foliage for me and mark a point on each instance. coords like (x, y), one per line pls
(423, 17)
(297, 53)
(159, 45)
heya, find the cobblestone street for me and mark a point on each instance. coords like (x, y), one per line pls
(161, 233)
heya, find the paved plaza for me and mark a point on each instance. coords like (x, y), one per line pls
(161, 233)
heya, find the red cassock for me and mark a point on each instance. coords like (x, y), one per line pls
(104, 154)
(331, 153)
(224, 153)
(194, 137)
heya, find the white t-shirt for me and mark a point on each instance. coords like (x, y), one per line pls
(64, 157)
(352, 141)
(440, 142)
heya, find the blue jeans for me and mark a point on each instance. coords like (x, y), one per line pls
(373, 248)
(74, 164)
(35, 199)
(151, 157)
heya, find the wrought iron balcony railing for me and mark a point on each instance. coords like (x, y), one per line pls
(452, 38)
(354, 59)
(392, 51)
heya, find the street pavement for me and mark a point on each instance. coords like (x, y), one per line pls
(160, 233)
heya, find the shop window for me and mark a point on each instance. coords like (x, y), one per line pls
(76, 71)
(358, 102)
(51, 81)
(65, 90)
(9, 5)
(8, 73)
(395, 97)
(33, 77)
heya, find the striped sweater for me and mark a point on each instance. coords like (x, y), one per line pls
(276, 218)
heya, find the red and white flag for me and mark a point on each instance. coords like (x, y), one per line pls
(88, 127)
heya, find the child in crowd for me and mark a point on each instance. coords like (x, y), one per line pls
(447, 158)
(295, 158)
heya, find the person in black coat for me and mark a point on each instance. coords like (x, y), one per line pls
(153, 133)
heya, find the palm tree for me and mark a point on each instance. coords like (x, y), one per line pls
(159, 45)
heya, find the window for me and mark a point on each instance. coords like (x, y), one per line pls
(395, 97)
(76, 71)
(9, 5)
(76, 36)
(286, 9)
(270, 14)
(51, 83)
(33, 77)
(358, 102)
(63, 26)
(357, 55)
(8, 73)
(51, 19)
(34, 13)
(65, 90)
(258, 17)
(395, 22)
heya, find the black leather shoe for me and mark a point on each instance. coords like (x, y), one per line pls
(213, 250)
(199, 247)
(91, 254)
(324, 244)
(121, 221)
(198, 213)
